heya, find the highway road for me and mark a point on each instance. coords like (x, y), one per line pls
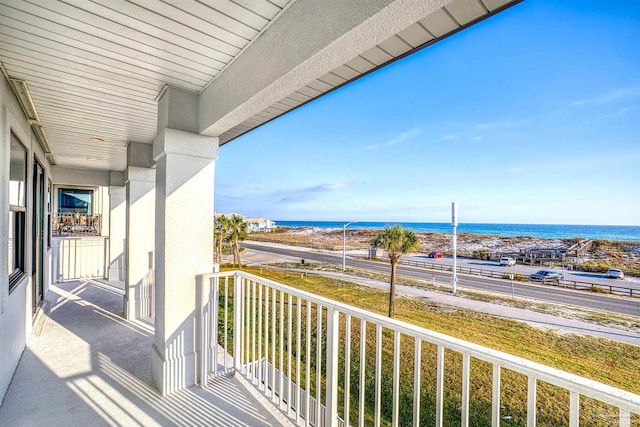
(613, 304)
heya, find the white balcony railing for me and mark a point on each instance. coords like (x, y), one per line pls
(78, 257)
(307, 353)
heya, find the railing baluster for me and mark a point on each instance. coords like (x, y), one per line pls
(237, 322)
(213, 326)
(307, 395)
(347, 369)
(574, 409)
(466, 375)
(254, 360)
(318, 364)
(201, 334)
(532, 401)
(226, 321)
(439, 385)
(298, 349)
(625, 418)
(363, 358)
(333, 327)
(495, 397)
(274, 332)
(281, 379)
(378, 374)
(396, 378)
(246, 347)
(267, 339)
(417, 365)
(260, 367)
(289, 373)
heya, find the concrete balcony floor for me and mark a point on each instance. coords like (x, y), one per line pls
(85, 365)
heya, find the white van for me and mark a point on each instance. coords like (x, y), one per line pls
(507, 262)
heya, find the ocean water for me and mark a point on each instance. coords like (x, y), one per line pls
(547, 231)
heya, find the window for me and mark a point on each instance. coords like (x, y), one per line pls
(72, 200)
(49, 214)
(17, 210)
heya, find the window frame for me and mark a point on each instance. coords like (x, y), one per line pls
(49, 210)
(19, 224)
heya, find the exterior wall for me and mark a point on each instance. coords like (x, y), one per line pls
(15, 308)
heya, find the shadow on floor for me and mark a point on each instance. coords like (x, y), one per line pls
(91, 367)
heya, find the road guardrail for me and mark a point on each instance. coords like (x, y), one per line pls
(572, 284)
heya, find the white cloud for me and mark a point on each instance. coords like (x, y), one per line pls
(620, 112)
(304, 194)
(397, 140)
(622, 93)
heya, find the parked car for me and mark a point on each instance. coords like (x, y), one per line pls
(546, 276)
(615, 273)
(507, 261)
(435, 254)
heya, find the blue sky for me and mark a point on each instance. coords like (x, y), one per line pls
(532, 116)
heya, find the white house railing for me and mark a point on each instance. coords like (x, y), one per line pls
(307, 353)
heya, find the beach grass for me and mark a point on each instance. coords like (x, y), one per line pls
(602, 360)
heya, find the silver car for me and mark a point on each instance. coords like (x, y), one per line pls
(545, 276)
(615, 273)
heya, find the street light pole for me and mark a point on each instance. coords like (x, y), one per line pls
(454, 224)
(344, 245)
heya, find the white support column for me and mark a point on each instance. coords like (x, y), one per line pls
(117, 227)
(139, 241)
(185, 164)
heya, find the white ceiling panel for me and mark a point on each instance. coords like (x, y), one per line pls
(415, 35)
(395, 46)
(332, 79)
(376, 56)
(495, 4)
(360, 64)
(345, 72)
(439, 23)
(465, 11)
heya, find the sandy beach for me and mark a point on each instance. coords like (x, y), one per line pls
(616, 254)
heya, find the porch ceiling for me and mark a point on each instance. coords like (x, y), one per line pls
(94, 69)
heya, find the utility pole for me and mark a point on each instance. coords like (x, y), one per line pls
(344, 245)
(454, 224)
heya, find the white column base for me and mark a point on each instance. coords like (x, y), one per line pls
(172, 370)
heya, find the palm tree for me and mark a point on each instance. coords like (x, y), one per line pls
(221, 232)
(237, 232)
(397, 241)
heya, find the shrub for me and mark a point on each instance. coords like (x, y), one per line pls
(481, 253)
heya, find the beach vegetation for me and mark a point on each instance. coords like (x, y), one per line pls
(236, 233)
(516, 277)
(482, 254)
(221, 227)
(396, 241)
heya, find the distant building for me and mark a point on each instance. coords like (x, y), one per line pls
(254, 225)
(260, 225)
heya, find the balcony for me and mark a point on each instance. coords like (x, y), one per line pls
(264, 343)
(86, 365)
(75, 224)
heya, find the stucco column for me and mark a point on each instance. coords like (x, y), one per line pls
(139, 241)
(183, 249)
(117, 231)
